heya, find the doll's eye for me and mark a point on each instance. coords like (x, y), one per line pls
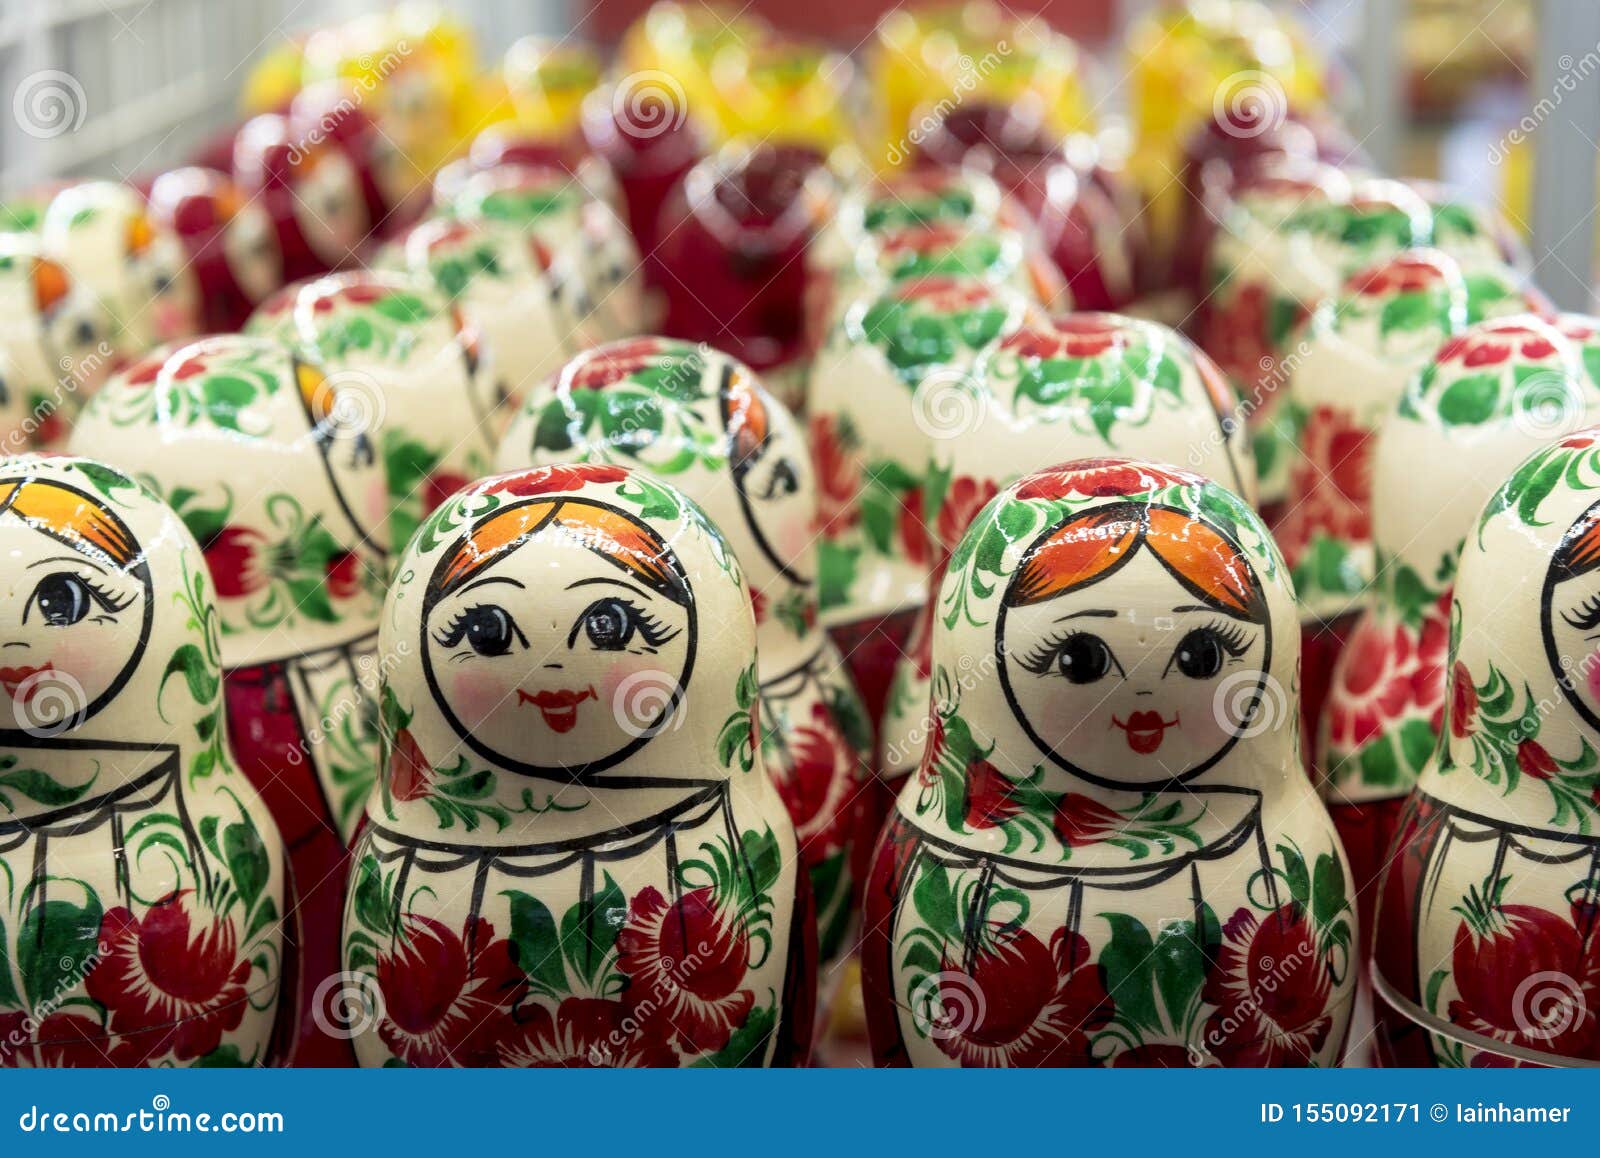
(489, 630)
(1080, 658)
(782, 481)
(1202, 652)
(63, 599)
(611, 624)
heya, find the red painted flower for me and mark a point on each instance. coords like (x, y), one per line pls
(1020, 1004)
(343, 574)
(838, 477)
(1271, 990)
(444, 994)
(231, 557)
(1526, 976)
(1330, 484)
(1071, 336)
(921, 239)
(1535, 760)
(1463, 701)
(170, 983)
(410, 774)
(61, 1041)
(1373, 683)
(1081, 820)
(1433, 652)
(1493, 344)
(911, 530)
(1407, 273)
(600, 367)
(685, 963)
(989, 800)
(549, 479)
(758, 604)
(928, 770)
(962, 502)
(440, 485)
(357, 293)
(815, 783)
(583, 1033)
(946, 295)
(1236, 334)
(1100, 478)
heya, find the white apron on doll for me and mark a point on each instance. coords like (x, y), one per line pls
(703, 422)
(1110, 833)
(1485, 946)
(1081, 386)
(576, 856)
(143, 880)
(243, 439)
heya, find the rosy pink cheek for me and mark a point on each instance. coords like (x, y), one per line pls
(1591, 666)
(477, 695)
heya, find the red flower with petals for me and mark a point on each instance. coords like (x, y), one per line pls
(1071, 336)
(962, 502)
(601, 367)
(815, 781)
(1082, 820)
(343, 575)
(1271, 989)
(549, 479)
(232, 558)
(171, 983)
(685, 963)
(583, 1033)
(1494, 344)
(439, 486)
(911, 530)
(1463, 701)
(1020, 1004)
(1100, 478)
(1535, 760)
(1407, 273)
(443, 993)
(989, 800)
(1330, 484)
(1236, 334)
(1373, 683)
(838, 477)
(410, 774)
(62, 1041)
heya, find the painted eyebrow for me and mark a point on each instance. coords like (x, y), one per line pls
(488, 579)
(1094, 613)
(83, 559)
(1192, 607)
(640, 591)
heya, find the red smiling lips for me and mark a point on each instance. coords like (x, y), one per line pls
(559, 708)
(14, 677)
(1145, 730)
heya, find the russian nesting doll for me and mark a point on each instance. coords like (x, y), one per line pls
(309, 189)
(145, 899)
(1347, 370)
(1489, 397)
(1485, 947)
(1110, 854)
(60, 337)
(522, 298)
(733, 246)
(563, 216)
(1081, 386)
(392, 193)
(105, 234)
(411, 373)
(244, 439)
(881, 392)
(576, 857)
(231, 244)
(702, 421)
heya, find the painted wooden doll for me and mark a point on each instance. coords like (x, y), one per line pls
(521, 297)
(879, 395)
(702, 421)
(1110, 855)
(60, 337)
(562, 215)
(144, 894)
(1080, 386)
(392, 192)
(106, 235)
(412, 374)
(245, 440)
(309, 189)
(231, 244)
(1489, 397)
(1485, 949)
(576, 857)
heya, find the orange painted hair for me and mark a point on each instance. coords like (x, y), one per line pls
(85, 524)
(746, 418)
(1095, 545)
(612, 535)
(1579, 552)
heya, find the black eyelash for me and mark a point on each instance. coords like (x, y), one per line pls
(655, 632)
(1042, 658)
(453, 632)
(109, 600)
(1233, 638)
(1587, 616)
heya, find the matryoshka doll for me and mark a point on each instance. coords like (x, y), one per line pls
(60, 338)
(1489, 396)
(702, 421)
(411, 373)
(1485, 946)
(231, 243)
(1349, 368)
(145, 897)
(879, 395)
(309, 189)
(520, 297)
(245, 440)
(107, 236)
(576, 857)
(392, 190)
(1110, 854)
(567, 223)
(1080, 386)
(733, 245)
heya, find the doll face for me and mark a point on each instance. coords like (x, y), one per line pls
(328, 207)
(82, 338)
(250, 245)
(1132, 680)
(1572, 636)
(70, 632)
(779, 500)
(170, 299)
(555, 657)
